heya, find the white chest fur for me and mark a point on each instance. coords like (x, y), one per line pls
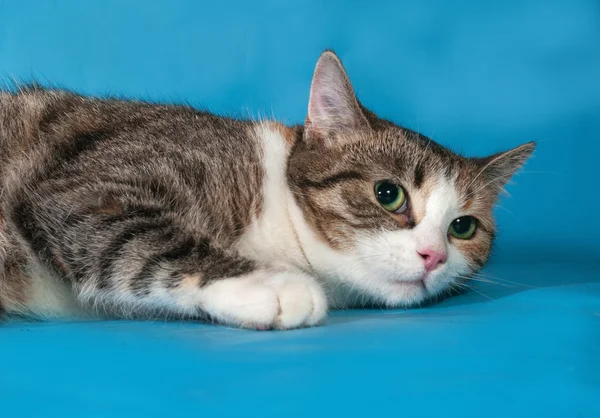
(271, 238)
(280, 236)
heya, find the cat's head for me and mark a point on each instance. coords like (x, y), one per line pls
(398, 218)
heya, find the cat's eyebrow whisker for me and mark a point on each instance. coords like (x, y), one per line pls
(541, 172)
(423, 156)
(504, 209)
(499, 179)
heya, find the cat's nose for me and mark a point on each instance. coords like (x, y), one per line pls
(432, 258)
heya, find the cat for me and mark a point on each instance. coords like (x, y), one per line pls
(122, 208)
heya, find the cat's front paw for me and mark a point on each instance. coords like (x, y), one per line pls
(267, 300)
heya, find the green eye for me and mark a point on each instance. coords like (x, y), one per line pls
(390, 196)
(463, 227)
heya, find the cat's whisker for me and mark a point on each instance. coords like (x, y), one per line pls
(541, 172)
(506, 281)
(478, 292)
(477, 279)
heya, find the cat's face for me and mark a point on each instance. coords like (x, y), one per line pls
(403, 218)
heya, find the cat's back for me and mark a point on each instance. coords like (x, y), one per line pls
(80, 147)
(39, 127)
(35, 115)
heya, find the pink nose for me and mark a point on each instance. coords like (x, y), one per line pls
(432, 258)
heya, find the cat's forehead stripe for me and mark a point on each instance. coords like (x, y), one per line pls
(418, 175)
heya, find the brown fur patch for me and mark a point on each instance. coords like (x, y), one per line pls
(60, 261)
(476, 249)
(467, 204)
(286, 132)
(190, 282)
(110, 205)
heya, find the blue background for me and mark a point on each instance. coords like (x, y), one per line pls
(478, 77)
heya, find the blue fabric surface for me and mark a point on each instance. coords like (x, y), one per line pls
(529, 352)
(476, 76)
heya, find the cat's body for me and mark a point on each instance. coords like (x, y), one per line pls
(131, 209)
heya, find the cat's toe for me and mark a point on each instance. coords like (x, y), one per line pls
(302, 301)
(319, 305)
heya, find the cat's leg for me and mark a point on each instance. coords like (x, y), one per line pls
(141, 262)
(148, 273)
(209, 283)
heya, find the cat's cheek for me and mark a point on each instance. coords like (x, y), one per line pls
(475, 251)
(391, 256)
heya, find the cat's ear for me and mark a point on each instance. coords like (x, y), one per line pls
(333, 107)
(499, 168)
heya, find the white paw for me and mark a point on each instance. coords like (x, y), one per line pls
(264, 300)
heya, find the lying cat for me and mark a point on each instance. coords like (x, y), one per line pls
(129, 209)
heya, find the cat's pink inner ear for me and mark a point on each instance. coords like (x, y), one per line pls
(332, 106)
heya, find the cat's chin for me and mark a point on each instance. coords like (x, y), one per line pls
(406, 294)
(382, 294)
(414, 293)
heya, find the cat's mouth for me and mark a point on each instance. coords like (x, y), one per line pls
(417, 282)
(413, 286)
(422, 287)
(420, 281)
